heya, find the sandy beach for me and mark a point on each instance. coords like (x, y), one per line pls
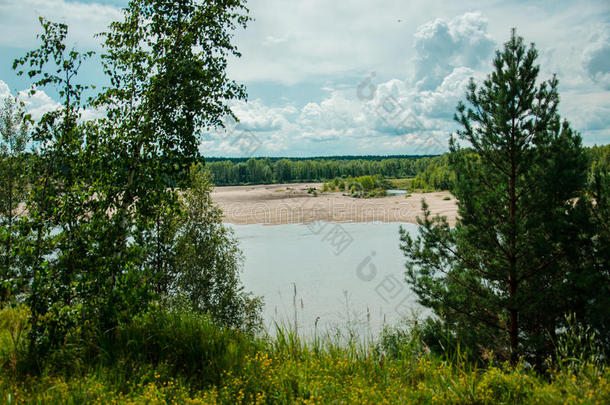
(276, 204)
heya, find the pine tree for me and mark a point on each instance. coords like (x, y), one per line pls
(495, 277)
(588, 289)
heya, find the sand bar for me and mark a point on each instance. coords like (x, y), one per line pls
(276, 204)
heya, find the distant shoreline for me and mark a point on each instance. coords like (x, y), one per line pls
(290, 203)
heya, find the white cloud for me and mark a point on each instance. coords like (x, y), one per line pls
(336, 112)
(38, 103)
(89, 114)
(596, 57)
(443, 45)
(4, 90)
(292, 41)
(391, 111)
(270, 40)
(375, 116)
(588, 112)
(422, 63)
(441, 102)
(383, 116)
(395, 119)
(20, 21)
(255, 116)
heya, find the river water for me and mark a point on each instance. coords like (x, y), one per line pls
(348, 278)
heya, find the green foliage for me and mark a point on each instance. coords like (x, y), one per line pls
(207, 260)
(577, 350)
(166, 87)
(411, 173)
(105, 235)
(270, 170)
(495, 279)
(51, 235)
(366, 182)
(185, 342)
(14, 137)
(599, 157)
(170, 357)
(437, 175)
(588, 286)
(360, 187)
(402, 341)
(13, 331)
(314, 191)
(401, 184)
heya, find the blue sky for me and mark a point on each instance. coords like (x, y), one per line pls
(360, 77)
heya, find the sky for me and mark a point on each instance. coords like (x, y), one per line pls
(355, 77)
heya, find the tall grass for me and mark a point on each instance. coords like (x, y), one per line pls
(171, 357)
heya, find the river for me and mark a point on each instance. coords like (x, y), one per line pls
(348, 277)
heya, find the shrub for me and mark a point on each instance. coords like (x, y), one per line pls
(13, 331)
(190, 344)
(366, 182)
(207, 261)
(401, 341)
(577, 348)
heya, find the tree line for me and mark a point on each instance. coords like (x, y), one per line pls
(428, 172)
(285, 170)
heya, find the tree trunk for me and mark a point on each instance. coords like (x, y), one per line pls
(512, 253)
(10, 224)
(514, 326)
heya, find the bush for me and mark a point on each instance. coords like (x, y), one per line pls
(402, 341)
(208, 260)
(190, 344)
(366, 182)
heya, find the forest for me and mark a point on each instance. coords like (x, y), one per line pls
(286, 170)
(427, 172)
(120, 283)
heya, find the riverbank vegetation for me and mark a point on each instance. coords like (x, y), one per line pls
(182, 357)
(359, 187)
(377, 186)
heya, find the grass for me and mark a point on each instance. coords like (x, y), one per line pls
(163, 357)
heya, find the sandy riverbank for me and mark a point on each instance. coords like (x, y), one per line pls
(275, 204)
